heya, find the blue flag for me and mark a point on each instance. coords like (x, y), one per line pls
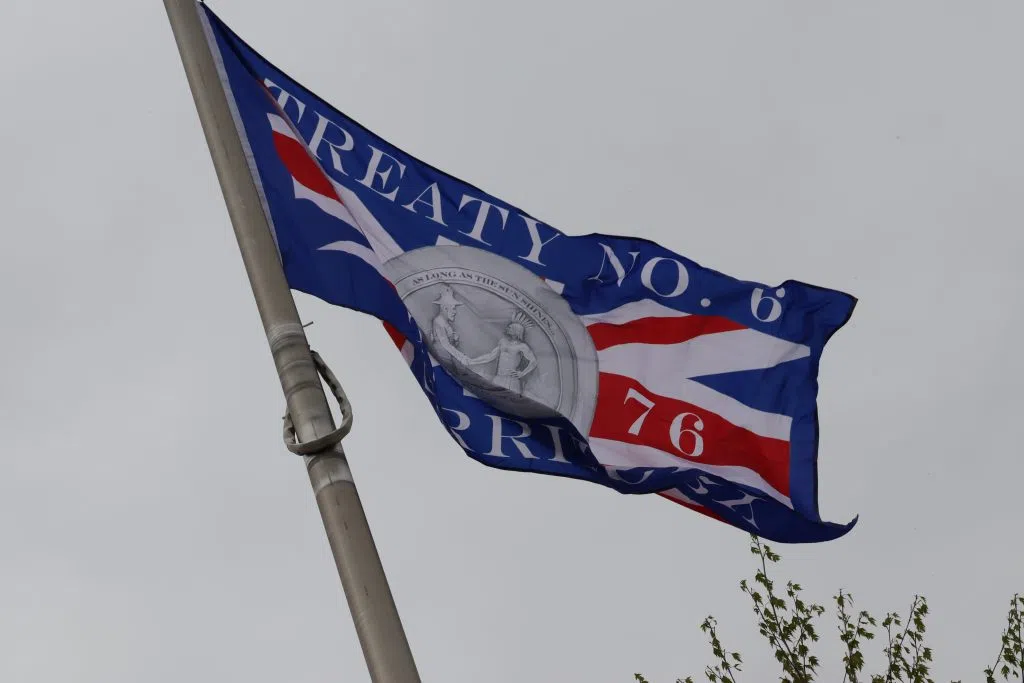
(603, 358)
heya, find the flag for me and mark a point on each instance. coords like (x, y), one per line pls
(603, 358)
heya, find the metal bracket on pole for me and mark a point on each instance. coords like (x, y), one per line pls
(291, 440)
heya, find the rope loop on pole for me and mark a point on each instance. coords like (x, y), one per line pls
(291, 440)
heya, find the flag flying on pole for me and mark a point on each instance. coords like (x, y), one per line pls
(608, 359)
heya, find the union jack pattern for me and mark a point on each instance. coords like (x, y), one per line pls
(705, 386)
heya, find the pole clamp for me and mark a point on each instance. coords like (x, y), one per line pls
(291, 439)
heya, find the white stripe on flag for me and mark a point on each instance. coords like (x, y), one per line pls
(360, 251)
(279, 125)
(676, 494)
(619, 454)
(326, 204)
(712, 354)
(408, 352)
(634, 310)
(383, 244)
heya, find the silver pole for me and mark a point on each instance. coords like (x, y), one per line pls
(381, 636)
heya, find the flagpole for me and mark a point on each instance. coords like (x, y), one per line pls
(377, 623)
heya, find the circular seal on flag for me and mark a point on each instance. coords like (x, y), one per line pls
(500, 331)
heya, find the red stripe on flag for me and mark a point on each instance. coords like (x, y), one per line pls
(659, 330)
(629, 413)
(302, 167)
(397, 337)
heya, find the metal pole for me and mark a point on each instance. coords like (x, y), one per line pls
(381, 636)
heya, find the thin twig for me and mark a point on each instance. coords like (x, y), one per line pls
(910, 620)
(764, 570)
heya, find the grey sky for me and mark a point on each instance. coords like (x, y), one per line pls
(153, 527)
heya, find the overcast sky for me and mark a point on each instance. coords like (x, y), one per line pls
(152, 526)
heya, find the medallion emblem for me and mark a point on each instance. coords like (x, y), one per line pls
(500, 331)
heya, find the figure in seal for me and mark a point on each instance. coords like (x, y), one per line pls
(442, 331)
(511, 351)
